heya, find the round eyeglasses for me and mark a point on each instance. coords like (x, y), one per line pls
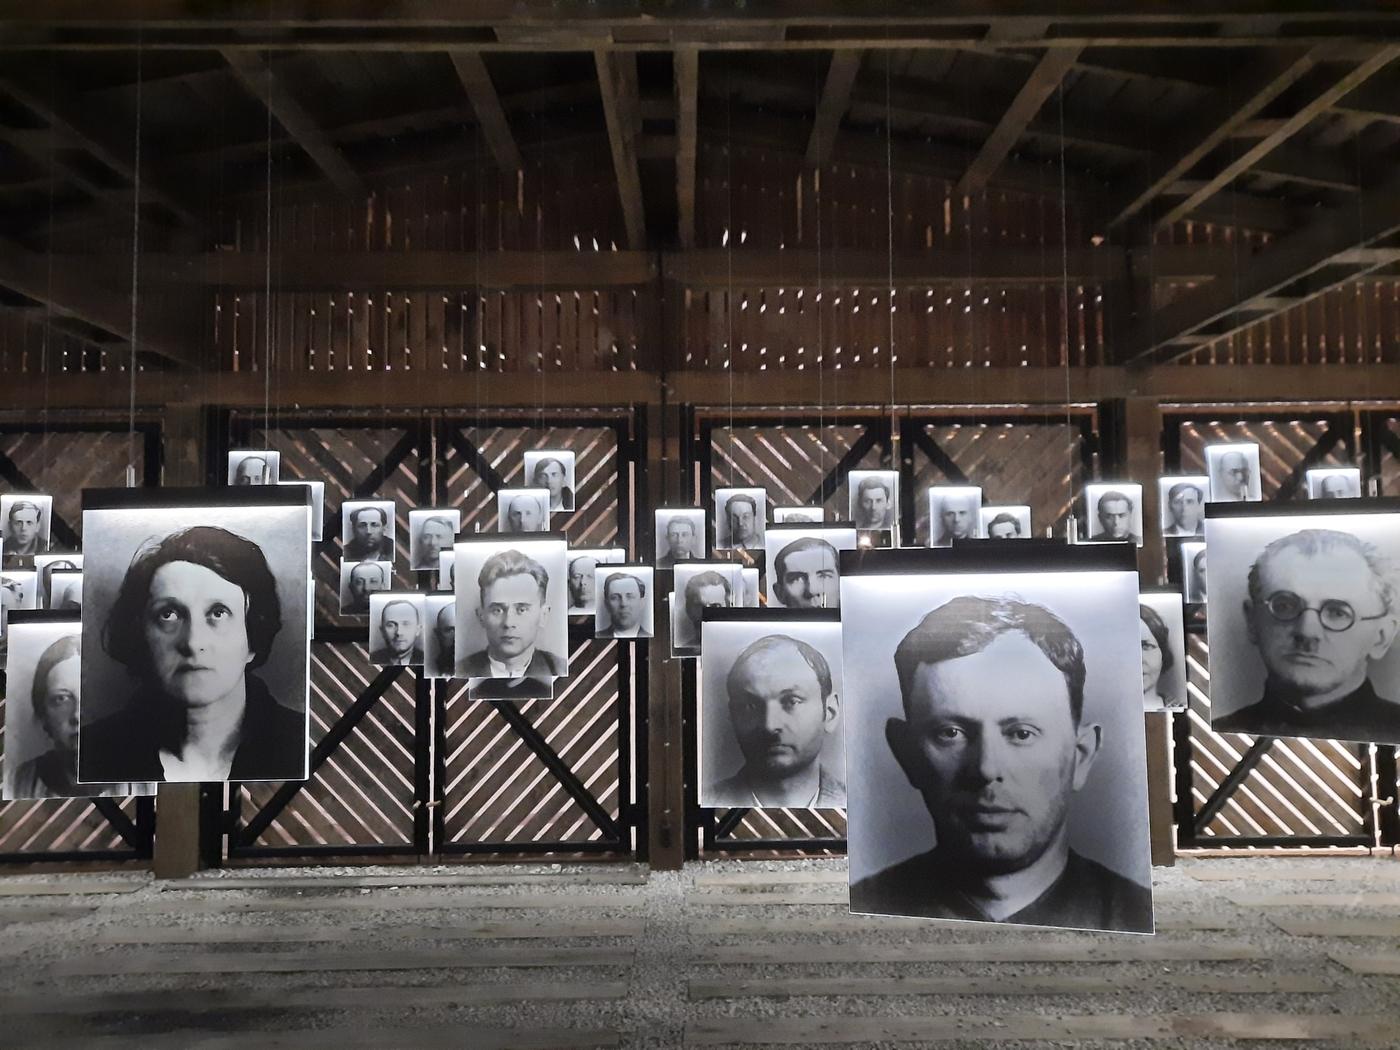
(1334, 614)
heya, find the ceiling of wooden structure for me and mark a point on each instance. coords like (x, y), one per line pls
(1282, 126)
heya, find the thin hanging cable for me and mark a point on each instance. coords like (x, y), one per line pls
(135, 276)
(889, 244)
(267, 275)
(48, 299)
(1064, 301)
(729, 275)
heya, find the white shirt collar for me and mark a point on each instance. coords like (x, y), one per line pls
(511, 669)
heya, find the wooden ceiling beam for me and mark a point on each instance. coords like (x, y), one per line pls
(617, 81)
(490, 115)
(1310, 167)
(687, 78)
(836, 97)
(1378, 99)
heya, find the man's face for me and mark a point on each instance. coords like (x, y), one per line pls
(250, 471)
(1186, 509)
(581, 581)
(59, 712)
(24, 526)
(1003, 530)
(400, 626)
(1116, 518)
(1303, 656)
(809, 579)
(741, 522)
(680, 538)
(874, 503)
(512, 612)
(364, 580)
(710, 596)
(446, 629)
(776, 706)
(958, 516)
(550, 475)
(368, 528)
(196, 633)
(524, 514)
(625, 604)
(1334, 486)
(991, 746)
(1234, 469)
(434, 538)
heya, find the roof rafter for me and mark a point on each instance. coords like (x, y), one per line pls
(486, 104)
(836, 98)
(617, 80)
(687, 77)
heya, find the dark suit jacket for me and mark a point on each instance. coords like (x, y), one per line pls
(1362, 715)
(537, 681)
(735, 791)
(609, 633)
(384, 552)
(385, 657)
(543, 666)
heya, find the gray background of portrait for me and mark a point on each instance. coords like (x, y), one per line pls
(432, 603)
(722, 498)
(111, 538)
(1236, 671)
(887, 818)
(45, 503)
(695, 516)
(1091, 505)
(843, 539)
(272, 458)
(378, 600)
(601, 620)
(24, 736)
(1169, 608)
(720, 756)
(552, 554)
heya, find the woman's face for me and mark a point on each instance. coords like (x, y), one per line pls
(197, 634)
(1151, 659)
(60, 711)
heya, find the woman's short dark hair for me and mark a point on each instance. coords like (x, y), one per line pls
(235, 558)
(65, 648)
(1159, 635)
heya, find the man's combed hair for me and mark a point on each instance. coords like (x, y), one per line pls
(437, 519)
(1004, 518)
(1312, 542)
(511, 563)
(541, 464)
(809, 653)
(806, 543)
(1114, 496)
(708, 578)
(873, 482)
(1182, 486)
(384, 611)
(968, 624)
(617, 577)
(25, 504)
(741, 497)
(371, 509)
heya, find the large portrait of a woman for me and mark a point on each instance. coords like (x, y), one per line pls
(195, 636)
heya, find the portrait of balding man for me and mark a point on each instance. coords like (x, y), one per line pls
(396, 633)
(253, 467)
(430, 533)
(954, 513)
(523, 510)
(440, 639)
(1234, 472)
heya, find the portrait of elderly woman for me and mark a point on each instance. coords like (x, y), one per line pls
(1163, 652)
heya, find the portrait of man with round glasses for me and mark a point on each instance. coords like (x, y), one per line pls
(1319, 620)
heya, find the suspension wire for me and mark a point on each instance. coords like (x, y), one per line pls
(896, 450)
(267, 268)
(1064, 303)
(135, 272)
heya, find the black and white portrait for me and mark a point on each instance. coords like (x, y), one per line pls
(995, 747)
(522, 511)
(680, 535)
(874, 499)
(430, 532)
(770, 720)
(798, 515)
(359, 580)
(1192, 557)
(447, 580)
(698, 586)
(1334, 483)
(583, 593)
(954, 513)
(196, 635)
(553, 471)
(512, 614)
(1163, 632)
(1302, 614)
(367, 530)
(1113, 512)
(25, 521)
(1182, 504)
(439, 634)
(396, 627)
(254, 467)
(318, 506)
(625, 601)
(1005, 523)
(46, 565)
(66, 590)
(741, 517)
(19, 589)
(41, 711)
(803, 564)
(1234, 473)
(749, 585)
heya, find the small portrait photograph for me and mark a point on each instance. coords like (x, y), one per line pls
(1334, 483)
(439, 634)
(512, 615)
(447, 579)
(1005, 523)
(1163, 631)
(521, 511)
(254, 467)
(46, 565)
(367, 530)
(318, 506)
(553, 471)
(583, 592)
(1234, 473)
(1193, 572)
(396, 628)
(65, 590)
(699, 586)
(25, 520)
(359, 580)
(804, 564)
(1302, 615)
(874, 499)
(196, 635)
(954, 513)
(680, 535)
(748, 588)
(430, 532)
(1113, 512)
(798, 515)
(741, 515)
(41, 711)
(624, 607)
(19, 589)
(1182, 503)
(770, 713)
(995, 757)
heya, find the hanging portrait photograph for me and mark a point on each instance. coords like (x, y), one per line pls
(522, 511)
(741, 517)
(1163, 633)
(1191, 567)
(698, 586)
(359, 580)
(19, 589)
(1005, 523)
(873, 499)
(1181, 502)
(196, 635)
(749, 584)
(318, 506)
(430, 533)
(1334, 483)
(1234, 473)
(1113, 512)
(397, 623)
(803, 564)
(65, 590)
(512, 628)
(46, 565)
(680, 535)
(1303, 614)
(770, 717)
(954, 513)
(583, 592)
(996, 765)
(25, 522)
(439, 634)
(798, 515)
(553, 471)
(367, 530)
(446, 578)
(254, 467)
(625, 600)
